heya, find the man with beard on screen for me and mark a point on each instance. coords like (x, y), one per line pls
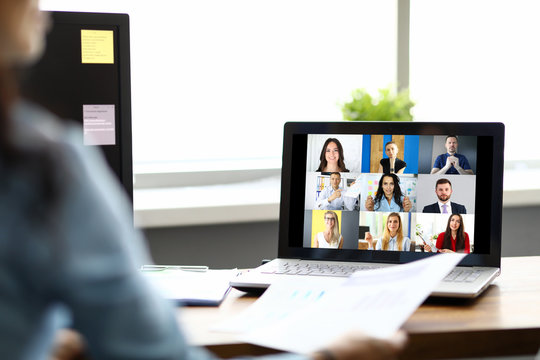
(443, 189)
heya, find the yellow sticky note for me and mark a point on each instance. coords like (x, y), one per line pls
(97, 46)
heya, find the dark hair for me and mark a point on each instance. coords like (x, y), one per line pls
(397, 190)
(341, 160)
(391, 142)
(442, 181)
(460, 236)
(449, 136)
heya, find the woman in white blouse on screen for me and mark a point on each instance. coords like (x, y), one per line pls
(330, 238)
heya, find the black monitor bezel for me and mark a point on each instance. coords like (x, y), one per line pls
(121, 23)
(294, 174)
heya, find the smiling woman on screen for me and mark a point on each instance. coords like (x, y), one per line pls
(454, 239)
(393, 238)
(332, 157)
(330, 238)
(388, 196)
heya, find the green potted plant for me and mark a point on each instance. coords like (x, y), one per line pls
(388, 105)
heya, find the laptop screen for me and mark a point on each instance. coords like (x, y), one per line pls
(392, 192)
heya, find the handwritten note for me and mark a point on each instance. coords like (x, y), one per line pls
(97, 46)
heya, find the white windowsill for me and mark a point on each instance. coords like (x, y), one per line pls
(258, 200)
(251, 201)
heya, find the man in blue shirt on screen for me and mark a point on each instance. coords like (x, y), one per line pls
(451, 163)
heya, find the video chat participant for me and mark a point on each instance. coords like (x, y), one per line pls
(392, 164)
(392, 239)
(68, 245)
(443, 190)
(333, 197)
(451, 162)
(332, 157)
(454, 239)
(331, 237)
(388, 197)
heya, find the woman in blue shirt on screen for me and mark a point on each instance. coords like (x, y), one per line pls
(388, 197)
(68, 249)
(393, 238)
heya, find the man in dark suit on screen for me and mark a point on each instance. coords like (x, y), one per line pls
(443, 189)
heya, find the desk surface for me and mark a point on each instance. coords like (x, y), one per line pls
(504, 320)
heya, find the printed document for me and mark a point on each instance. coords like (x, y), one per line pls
(354, 190)
(305, 316)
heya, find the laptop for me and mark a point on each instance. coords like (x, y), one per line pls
(363, 195)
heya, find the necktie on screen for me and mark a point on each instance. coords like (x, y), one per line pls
(444, 210)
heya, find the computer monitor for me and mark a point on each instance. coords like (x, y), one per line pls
(84, 75)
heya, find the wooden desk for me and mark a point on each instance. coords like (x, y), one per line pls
(505, 320)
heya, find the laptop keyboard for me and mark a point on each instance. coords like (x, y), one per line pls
(345, 270)
(462, 275)
(315, 269)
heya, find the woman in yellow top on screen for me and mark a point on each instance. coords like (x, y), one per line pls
(332, 158)
(388, 196)
(330, 238)
(392, 164)
(392, 238)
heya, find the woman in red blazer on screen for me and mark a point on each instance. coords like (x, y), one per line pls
(454, 239)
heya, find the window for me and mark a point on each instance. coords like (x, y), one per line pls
(479, 61)
(213, 81)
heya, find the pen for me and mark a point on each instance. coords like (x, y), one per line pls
(196, 268)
